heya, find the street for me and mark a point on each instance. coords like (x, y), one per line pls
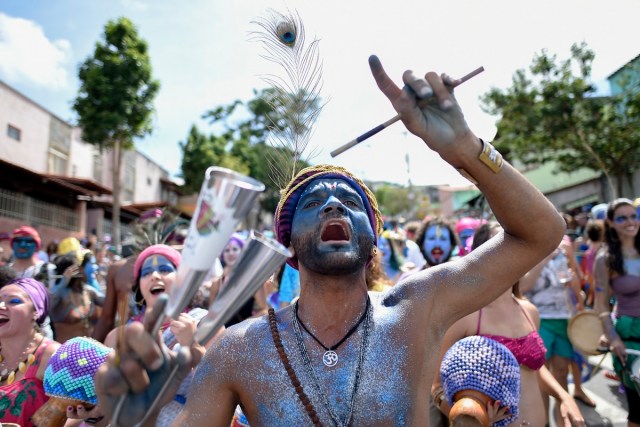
(611, 404)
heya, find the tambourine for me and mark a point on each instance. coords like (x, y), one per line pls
(585, 330)
(635, 372)
(634, 368)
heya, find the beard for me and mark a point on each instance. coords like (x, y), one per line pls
(346, 260)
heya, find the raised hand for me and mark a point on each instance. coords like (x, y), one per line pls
(427, 107)
(141, 370)
(184, 329)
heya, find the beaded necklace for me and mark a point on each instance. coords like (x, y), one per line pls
(316, 383)
(25, 362)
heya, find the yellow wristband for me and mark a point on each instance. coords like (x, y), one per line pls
(490, 157)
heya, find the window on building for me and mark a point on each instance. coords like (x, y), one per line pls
(13, 132)
(57, 162)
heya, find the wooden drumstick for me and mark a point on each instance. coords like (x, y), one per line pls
(391, 121)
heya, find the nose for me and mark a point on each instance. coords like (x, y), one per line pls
(333, 204)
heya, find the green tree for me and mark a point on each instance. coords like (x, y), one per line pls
(553, 113)
(199, 152)
(114, 103)
(242, 144)
(393, 200)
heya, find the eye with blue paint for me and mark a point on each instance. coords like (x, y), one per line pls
(156, 263)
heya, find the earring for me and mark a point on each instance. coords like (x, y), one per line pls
(374, 251)
(140, 301)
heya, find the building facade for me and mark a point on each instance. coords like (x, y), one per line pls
(46, 168)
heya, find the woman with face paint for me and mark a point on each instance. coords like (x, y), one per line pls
(257, 304)
(520, 336)
(24, 350)
(154, 274)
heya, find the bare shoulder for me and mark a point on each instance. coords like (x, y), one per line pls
(530, 309)
(235, 345)
(48, 351)
(421, 282)
(601, 257)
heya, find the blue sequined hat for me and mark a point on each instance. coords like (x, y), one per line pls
(482, 364)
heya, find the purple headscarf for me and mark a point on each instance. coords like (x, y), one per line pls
(38, 294)
(235, 238)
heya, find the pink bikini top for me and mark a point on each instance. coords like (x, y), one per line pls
(529, 350)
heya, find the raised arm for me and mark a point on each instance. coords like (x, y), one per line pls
(532, 226)
(107, 318)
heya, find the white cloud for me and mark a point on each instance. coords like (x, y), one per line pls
(27, 55)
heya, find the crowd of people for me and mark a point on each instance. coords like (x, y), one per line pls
(370, 322)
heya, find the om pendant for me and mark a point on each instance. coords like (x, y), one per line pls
(330, 358)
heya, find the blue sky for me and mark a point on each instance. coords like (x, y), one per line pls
(201, 54)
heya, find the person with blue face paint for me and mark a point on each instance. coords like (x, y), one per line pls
(391, 245)
(341, 355)
(75, 306)
(25, 243)
(437, 241)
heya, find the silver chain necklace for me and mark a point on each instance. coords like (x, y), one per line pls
(316, 383)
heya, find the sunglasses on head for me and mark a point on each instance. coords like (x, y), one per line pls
(620, 219)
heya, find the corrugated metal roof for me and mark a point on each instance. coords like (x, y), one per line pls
(545, 180)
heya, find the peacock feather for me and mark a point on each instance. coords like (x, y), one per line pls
(295, 96)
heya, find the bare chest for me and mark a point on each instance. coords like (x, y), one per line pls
(371, 385)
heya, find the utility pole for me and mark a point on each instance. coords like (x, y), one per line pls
(412, 207)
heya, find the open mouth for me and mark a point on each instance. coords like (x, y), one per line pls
(335, 231)
(157, 290)
(437, 253)
(3, 320)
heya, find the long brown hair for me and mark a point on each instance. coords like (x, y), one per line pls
(615, 259)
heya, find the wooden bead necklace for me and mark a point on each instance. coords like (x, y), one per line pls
(25, 361)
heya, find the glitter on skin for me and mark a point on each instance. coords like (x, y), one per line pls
(382, 399)
(398, 367)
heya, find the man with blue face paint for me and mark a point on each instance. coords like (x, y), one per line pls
(25, 244)
(342, 356)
